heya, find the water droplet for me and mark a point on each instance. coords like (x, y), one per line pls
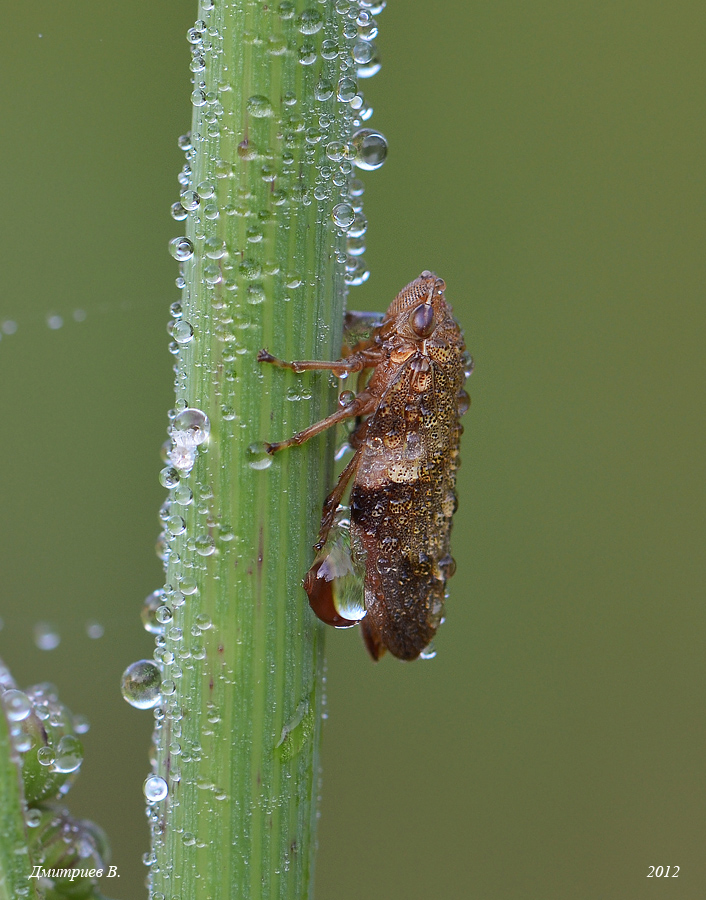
(189, 200)
(54, 321)
(17, 705)
(467, 363)
(259, 107)
(429, 652)
(335, 150)
(182, 331)
(155, 788)
(206, 190)
(367, 26)
(46, 637)
(178, 212)
(205, 545)
(94, 630)
(9, 326)
(463, 403)
(176, 525)
(195, 423)
(141, 684)
(181, 248)
(362, 52)
(356, 271)
(345, 398)
(370, 148)
(307, 54)
(45, 756)
(169, 477)
(258, 457)
(310, 21)
(198, 97)
(343, 215)
(355, 246)
(255, 294)
(33, 817)
(358, 227)
(368, 69)
(347, 89)
(69, 754)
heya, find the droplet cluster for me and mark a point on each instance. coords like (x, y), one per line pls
(48, 753)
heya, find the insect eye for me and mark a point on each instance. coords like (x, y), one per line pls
(422, 320)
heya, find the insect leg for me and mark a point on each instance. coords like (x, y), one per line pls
(333, 500)
(363, 405)
(353, 363)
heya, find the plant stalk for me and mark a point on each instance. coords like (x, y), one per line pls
(262, 264)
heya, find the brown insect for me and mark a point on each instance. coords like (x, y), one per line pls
(406, 443)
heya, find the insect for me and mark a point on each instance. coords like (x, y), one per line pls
(411, 369)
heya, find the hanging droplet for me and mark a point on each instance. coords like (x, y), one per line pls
(370, 148)
(141, 684)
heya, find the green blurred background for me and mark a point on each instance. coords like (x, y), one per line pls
(546, 158)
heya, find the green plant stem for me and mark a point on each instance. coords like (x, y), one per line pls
(238, 730)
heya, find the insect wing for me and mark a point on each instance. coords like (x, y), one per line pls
(401, 507)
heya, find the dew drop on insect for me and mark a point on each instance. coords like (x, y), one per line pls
(46, 637)
(155, 788)
(429, 652)
(370, 148)
(345, 398)
(181, 248)
(17, 705)
(141, 684)
(258, 457)
(467, 362)
(463, 403)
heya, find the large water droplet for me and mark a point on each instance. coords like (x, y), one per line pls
(69, 754)
(195, 423)
(141, 684)
(259, 107)
(17, 705)
(182, 331)
(310, 21)
(370, 148)
(181, 248)
(155, 788)
(343, 215)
